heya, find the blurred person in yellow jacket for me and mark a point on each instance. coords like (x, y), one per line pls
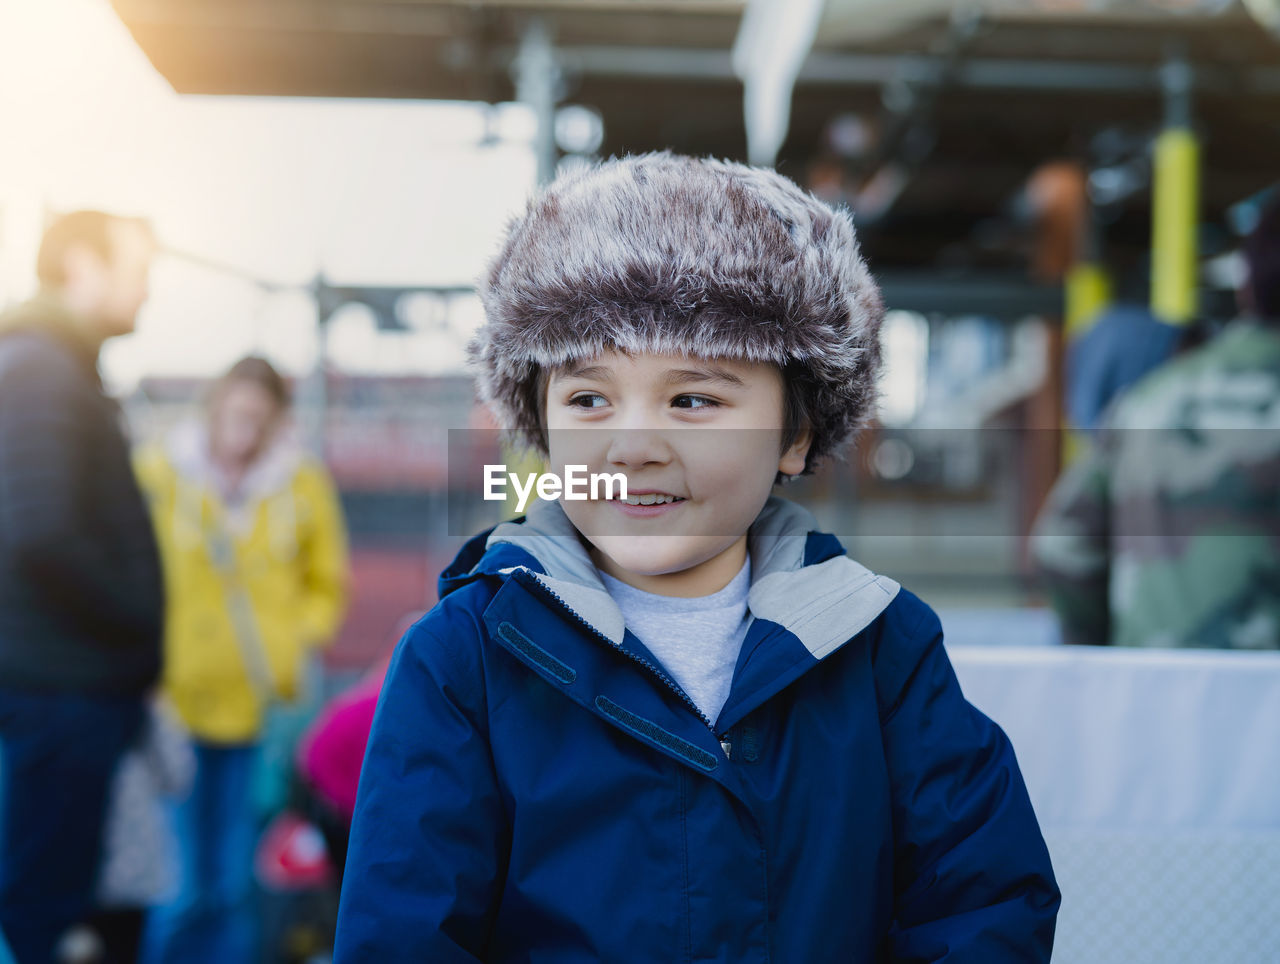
(255, 560)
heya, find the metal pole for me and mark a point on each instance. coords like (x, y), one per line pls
(315, 387)
(539, 84)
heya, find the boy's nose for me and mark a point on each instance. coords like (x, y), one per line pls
(638, 446)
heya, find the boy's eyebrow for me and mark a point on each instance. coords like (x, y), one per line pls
(597, 373)
(673, 376)
(711, 373)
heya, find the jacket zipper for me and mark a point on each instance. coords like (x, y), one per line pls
(725, 745)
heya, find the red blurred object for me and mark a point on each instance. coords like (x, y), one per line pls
(291, 855)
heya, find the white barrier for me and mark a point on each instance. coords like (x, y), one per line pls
(1156, 778)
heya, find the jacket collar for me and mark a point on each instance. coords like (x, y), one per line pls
(807, 600)
(187, 448)
(802, 581)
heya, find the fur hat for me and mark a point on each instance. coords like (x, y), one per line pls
(681, 255)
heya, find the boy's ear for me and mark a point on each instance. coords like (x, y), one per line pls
(793, 459)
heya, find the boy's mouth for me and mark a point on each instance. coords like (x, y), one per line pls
(643, 504)
(650, 498)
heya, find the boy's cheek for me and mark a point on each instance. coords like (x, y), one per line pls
(567, 446)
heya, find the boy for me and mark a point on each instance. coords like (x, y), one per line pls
(684, 726)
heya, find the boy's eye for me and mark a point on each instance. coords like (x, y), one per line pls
(694, 401)
(588, 400)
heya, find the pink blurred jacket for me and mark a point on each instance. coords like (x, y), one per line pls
(331, 751)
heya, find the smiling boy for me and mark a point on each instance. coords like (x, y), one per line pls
(684, 726)
(713, 484)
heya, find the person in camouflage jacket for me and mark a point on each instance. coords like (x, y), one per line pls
(1167, 533)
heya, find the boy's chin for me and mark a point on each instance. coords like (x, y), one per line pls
(652, 555)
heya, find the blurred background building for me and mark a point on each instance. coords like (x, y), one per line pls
(1012, 166)
(329, 175)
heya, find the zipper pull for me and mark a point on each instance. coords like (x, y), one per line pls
(728, 749)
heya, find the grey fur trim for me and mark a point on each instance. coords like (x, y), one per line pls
(660, 252)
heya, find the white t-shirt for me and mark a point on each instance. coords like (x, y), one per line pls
(697, 639)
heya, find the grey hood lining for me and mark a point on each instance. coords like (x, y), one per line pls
(823, 605)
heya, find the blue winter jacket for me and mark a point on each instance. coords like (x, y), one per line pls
(538, 789)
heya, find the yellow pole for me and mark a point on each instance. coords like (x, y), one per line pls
(1175, 215)
(1086, 291)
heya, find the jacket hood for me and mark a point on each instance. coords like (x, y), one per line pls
(186, 447)
(801, 578)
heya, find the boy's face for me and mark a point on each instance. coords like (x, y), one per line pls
(707, 432)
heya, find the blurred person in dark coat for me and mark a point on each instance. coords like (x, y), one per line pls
(81, 593)
(1167, 533)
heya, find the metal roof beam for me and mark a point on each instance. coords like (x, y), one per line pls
(873, 70)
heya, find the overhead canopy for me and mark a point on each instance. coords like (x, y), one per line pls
(948, 115)
(1082, 46)
(945, 108)
(659, 70)
(776, 38)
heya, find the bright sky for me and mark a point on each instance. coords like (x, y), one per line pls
(370, 192)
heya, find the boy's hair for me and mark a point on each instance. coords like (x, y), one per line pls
(680, 255)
